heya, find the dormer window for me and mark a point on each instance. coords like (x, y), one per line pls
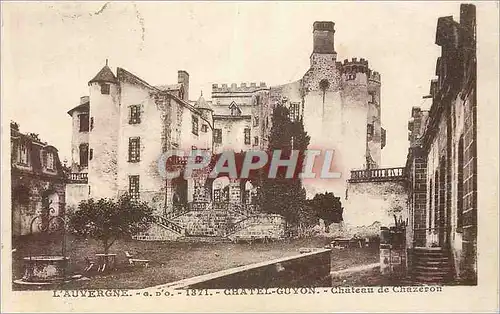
(235, 110)
(23, 156)
(48, 160)
(105, 89)
(204, 128)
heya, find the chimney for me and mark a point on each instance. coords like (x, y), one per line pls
(183, 78)
(323, 37)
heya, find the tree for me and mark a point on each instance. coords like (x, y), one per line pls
(327, 207)
(281, 195)
(107, 220)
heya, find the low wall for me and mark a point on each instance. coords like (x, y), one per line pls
(369, 202)
(260, 226)
(304, 270)
(157, 233)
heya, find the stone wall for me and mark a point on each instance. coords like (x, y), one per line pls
(260, 226)
(305, 270)
(367, 202)
(75, 193)
(28, 191)
(158, 233)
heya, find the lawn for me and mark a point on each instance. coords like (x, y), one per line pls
(171, 261)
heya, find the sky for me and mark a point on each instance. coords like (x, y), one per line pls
(51, 51)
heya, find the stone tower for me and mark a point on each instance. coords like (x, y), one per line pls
(104, 131)
(340, 105)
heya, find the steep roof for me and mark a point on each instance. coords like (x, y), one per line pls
(201, 103)
(105, 75)
(171, 87)
(83, 108)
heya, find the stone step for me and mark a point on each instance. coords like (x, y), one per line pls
(432, 273)
(429, 254)
(432, 259)
(431, 279)
(207, 239)
(446, 267)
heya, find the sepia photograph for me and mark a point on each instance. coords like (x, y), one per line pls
(222, 149)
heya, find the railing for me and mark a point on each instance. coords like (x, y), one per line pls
(239, 225)
(384, 174)
(168, 224)
(78, 177)
(243, 209)
(178, 210)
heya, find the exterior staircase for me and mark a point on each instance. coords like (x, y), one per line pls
(431, 266)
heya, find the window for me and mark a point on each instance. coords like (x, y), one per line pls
(256, 140)
(134, 149)
(256, 121)
(133, 186)
(50, 164)
(350, 77)
(105, 89)
(204, 128)
(23, 156)
(294, 112)
(84, 122)
(91, 154)
(84, 155)
(194, 121)
(247, 136)
(235, 111)
(371, 98)
(218, 136)
(369, 129)
(135, 114)
(91, 123)
(460, 185)
(383, 138)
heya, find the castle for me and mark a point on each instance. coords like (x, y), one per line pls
(125, 124)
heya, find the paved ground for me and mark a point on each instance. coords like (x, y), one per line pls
(175, 261)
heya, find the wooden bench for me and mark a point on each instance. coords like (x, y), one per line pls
(133, 261)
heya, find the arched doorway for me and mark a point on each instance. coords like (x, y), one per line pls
(220, 190)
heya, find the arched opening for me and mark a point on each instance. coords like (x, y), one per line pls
(249, 193)
(220, 190)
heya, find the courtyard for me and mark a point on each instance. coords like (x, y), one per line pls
(171, 261)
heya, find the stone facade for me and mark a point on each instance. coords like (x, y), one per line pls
(340, 106)
(386, 198)
(37, 181)
(131, 123)
(443, 153)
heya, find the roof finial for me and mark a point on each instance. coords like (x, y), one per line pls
(201, 95)
(106, 62)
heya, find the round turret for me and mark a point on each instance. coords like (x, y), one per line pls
(202, 104)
